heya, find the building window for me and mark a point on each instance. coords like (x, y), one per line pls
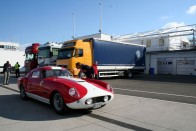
(161, 42)
(148, 43)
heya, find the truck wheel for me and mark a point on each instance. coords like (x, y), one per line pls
(59, 104)
(129, 74)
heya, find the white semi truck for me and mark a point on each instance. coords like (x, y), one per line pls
(47, 53)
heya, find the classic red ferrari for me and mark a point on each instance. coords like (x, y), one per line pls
(56, 86)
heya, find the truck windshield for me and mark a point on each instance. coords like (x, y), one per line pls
(29, 56)
(44, 52)
(65, 53)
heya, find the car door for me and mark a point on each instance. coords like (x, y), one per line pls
(35, 83)
(44, 84)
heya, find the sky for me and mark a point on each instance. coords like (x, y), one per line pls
(30, 21)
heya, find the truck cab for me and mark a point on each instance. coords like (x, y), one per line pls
(48, 53)
(31, 56)
(75, 51)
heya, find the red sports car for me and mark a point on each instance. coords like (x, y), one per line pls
(56, 86)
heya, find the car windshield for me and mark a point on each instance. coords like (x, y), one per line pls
(57, 72)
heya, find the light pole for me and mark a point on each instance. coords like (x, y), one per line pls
(74, 19)
(100, 30)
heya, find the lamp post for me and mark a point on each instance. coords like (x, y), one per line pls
(74, 19)
(100, 30)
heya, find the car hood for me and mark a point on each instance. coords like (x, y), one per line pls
(92, 89)
(72, 79)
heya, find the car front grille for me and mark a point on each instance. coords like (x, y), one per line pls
(99, 99)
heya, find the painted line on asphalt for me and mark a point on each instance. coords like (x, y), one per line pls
(10, 88)
(156, 93)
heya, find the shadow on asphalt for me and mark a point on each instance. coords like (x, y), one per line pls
(13, 107)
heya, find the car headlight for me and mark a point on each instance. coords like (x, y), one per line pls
(74, 93)
(109, 88)
(105, 98)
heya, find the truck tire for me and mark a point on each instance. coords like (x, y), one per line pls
(129, 74)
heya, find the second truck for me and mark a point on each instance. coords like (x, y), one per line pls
(47, 54)
(114, 58)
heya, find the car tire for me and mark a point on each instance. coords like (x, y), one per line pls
(59, 104)
(23, 94)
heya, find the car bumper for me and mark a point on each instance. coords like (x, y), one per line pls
(81, 104)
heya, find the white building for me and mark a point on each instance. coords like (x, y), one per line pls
(168, 51)
(179, 62)
(9, 51)
(98, 35)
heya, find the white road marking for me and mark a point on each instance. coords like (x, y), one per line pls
(156, 93)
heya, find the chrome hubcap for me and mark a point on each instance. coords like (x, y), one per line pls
(130, 74)
(58, 102)
(22, 92)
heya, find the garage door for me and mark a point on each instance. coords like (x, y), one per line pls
(185, 67)
(164, 67)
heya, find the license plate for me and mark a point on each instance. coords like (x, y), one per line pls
(97, 105)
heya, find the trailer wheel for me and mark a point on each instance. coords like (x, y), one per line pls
(129, 74)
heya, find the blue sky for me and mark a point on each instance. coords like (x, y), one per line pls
(29, 21)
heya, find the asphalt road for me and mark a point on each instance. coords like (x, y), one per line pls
(125, 112)
(162, 87)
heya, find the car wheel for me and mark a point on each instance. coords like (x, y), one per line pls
(23, 94)
(58, 104)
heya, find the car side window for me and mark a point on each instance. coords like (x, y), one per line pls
(49, 73)
(35, 74)
(43, 74)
